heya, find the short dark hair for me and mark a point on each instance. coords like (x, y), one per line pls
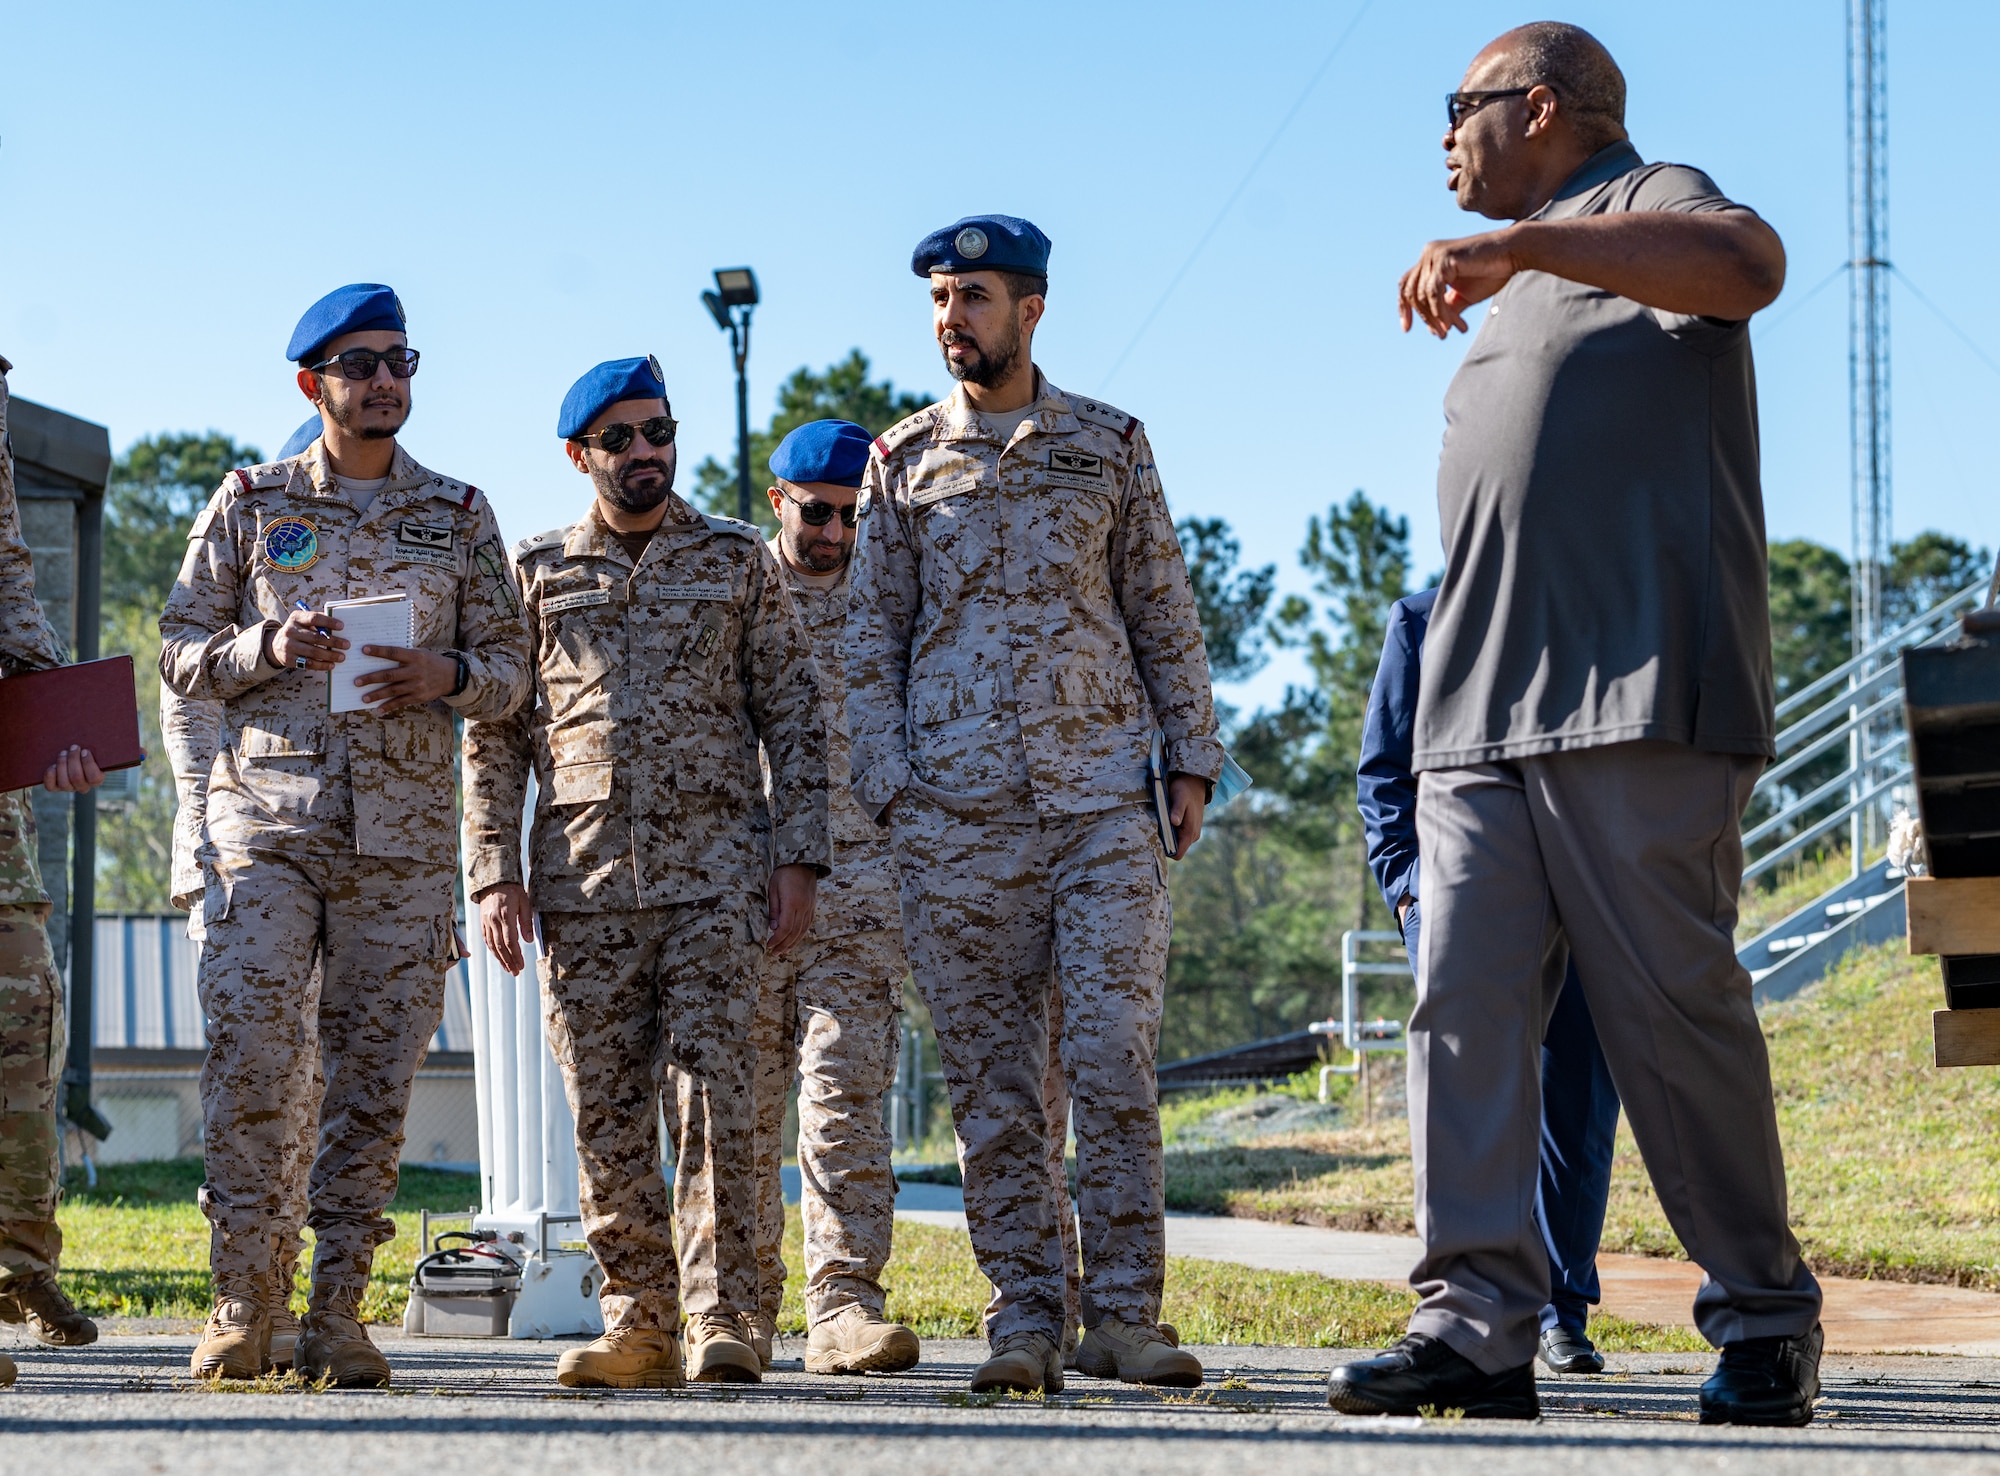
(1574, 65)
(1020, 284)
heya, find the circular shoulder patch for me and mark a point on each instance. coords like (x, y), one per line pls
(971, 242)
(291, 543)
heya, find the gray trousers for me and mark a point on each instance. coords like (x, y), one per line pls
(1628, 856)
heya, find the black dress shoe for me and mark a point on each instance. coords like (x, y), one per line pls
(1420, 1373)
(1568, 1350)
(1764, 1381)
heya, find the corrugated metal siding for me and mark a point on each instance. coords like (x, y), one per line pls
(146, 988)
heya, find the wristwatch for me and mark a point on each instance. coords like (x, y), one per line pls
(464, 673)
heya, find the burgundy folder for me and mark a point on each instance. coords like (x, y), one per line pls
(92, 704)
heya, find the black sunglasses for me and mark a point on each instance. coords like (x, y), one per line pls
(1458, 106)
(615, 437)
(359, 363)
(818, 514)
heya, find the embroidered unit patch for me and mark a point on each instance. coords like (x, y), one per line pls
(292, 544)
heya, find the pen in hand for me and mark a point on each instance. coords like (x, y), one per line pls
(293, 643)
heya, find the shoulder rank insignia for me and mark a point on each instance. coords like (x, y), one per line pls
(904, 431)
(1101, 414)
(291, 543)
(731, 525)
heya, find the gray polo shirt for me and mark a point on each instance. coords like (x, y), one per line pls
(1602, 515)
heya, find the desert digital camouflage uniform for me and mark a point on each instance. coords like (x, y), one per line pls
(332, 842)
(31, 1001)
(829, 1016)
(650, 855)
(192, 732)
(1021, 621)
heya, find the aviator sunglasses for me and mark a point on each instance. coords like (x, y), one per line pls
(615, 437)
(359, 363)
(1458, 106)
(818, 514)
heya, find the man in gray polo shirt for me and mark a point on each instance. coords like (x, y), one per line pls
(1594, 710)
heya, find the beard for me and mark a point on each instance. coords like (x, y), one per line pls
(807, 552)
(611, 487)
(983, 366)
(344, 412)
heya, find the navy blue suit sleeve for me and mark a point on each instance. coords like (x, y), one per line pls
(1384, 784)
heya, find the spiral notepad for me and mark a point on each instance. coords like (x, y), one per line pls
(381, 620)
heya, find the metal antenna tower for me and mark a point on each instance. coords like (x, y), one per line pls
(1868, 307)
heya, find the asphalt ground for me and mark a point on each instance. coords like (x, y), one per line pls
(126, 1404)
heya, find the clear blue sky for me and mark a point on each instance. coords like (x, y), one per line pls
(550, 186)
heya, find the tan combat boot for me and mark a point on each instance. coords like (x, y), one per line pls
(624, 1358)
(51, 1316)
(1136, 1353)
(855, 1340)
(763, 1333)
(8, 1372)
(719, 1351)
(235, 1340)
(1023, 1362)
(334, 1346)
(284, 1321)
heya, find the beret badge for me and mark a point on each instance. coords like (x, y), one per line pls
(971, 242)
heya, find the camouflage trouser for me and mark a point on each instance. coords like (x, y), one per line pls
(828, 1015)
(1055, 1110)
(990, 909)
(287, 1243)
(381, 931)
(628, 996)
(31, 1066)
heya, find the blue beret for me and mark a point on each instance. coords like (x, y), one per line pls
(983, 243)
(359, 307)
(607, 384)
(301, 438)
(833, 451)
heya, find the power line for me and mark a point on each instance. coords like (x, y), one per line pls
(1945, 319)
(1236, 194)
(1767, 329)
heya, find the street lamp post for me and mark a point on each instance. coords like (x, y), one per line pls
(730, 305)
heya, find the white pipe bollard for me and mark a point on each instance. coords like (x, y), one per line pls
(527, 1146)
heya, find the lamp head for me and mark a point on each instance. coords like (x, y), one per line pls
(738, 286)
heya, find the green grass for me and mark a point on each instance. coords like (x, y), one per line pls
(137, 1246)
(1893, 1166)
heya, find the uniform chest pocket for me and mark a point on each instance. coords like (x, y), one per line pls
(1092, 686)
(956, 533)
(938, 700)
(1077, 523)
(583, 640)
(260, 740)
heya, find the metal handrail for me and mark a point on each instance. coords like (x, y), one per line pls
(1898, 775)
(1843, 780)
(1862, 695)
(1888, 645)
(1886, 707)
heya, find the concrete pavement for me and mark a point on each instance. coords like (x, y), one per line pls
(464, 1406)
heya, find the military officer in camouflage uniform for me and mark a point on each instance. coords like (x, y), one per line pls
(666, 651)
(31, 991)
(331, 834)
(1021, 624)
(192, 732)
(829, 1014)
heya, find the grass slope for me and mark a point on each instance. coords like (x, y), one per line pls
(1893, 1165)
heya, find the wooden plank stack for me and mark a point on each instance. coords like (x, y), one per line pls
(1951, 704)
